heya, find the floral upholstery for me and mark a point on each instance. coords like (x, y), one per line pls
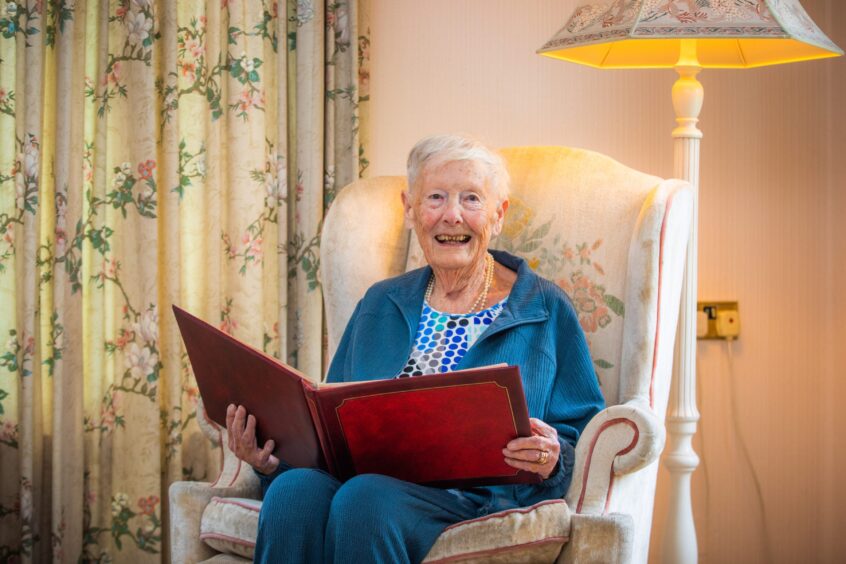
(614, 239)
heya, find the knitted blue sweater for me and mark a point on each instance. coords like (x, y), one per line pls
(538, 331)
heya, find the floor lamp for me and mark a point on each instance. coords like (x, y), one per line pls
(687, 35)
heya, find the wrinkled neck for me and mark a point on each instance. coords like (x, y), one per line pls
(457, 289)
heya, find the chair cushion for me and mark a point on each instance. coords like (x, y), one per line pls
(226, 559)
(230, 525)
(527, 534)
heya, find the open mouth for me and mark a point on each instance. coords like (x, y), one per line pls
(452, 239)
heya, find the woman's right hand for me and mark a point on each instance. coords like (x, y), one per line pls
(241, 430)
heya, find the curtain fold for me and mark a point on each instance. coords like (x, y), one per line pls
(154, 153)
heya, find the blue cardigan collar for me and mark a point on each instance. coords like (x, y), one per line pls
(525, 304)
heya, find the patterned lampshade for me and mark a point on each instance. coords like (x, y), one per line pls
(727, 34)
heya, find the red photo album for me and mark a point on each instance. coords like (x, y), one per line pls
(445, 430)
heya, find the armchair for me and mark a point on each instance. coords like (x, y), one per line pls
(615, 240)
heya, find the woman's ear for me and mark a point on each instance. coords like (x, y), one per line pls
(500, 217)
(408, 209)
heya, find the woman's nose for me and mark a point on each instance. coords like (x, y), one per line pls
(452, 213)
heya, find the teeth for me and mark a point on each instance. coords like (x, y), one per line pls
(453, 238)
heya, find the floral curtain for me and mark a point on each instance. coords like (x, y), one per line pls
(152, 153)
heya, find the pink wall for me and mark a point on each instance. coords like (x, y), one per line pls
(772, 231)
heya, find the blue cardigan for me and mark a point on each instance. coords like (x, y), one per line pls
(538, 330)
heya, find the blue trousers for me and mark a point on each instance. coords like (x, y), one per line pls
(309, 516)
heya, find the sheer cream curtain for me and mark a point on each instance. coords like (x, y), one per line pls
(154, 153)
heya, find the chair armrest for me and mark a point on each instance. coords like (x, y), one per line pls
(187, 502)
(618, 440)
(599, 539)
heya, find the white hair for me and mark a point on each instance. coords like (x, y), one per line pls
(441, 149)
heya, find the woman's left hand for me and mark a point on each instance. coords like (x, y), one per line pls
(538, 453)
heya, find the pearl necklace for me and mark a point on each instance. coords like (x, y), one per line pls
(483, 297)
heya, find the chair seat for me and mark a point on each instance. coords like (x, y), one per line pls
(230, 525)
(225, 559)
(527, 534)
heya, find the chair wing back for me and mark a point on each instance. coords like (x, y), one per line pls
(600, 230)
(594, 226)
(363, 241)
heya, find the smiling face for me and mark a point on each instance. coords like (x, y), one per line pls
(454, 211)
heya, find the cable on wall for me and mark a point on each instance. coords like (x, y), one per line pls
(745, 451)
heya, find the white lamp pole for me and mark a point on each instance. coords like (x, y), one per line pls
(679, 543)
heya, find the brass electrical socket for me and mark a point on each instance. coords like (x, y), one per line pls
(710, 311)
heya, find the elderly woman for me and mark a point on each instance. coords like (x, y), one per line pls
(490, 308)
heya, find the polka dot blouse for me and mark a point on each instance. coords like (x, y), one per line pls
(444, 338)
